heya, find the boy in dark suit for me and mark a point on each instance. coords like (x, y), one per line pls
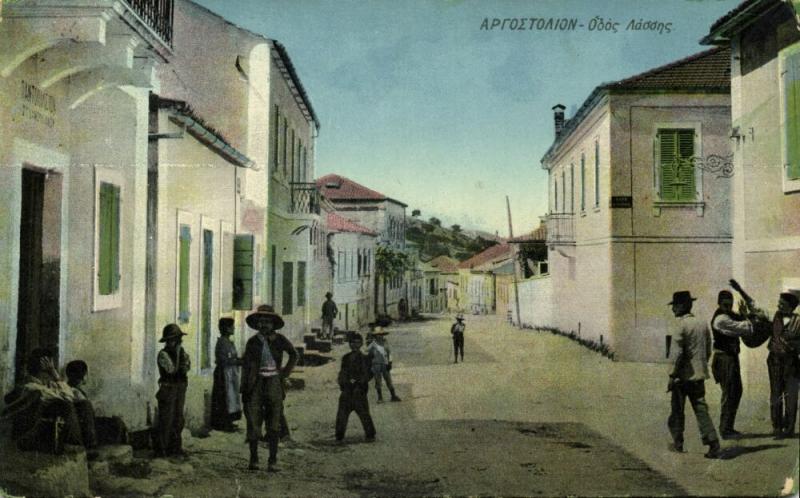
(354, 377)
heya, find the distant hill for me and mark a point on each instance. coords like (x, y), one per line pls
(436, 240)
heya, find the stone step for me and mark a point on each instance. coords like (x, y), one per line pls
(323, 346)
(118, 453)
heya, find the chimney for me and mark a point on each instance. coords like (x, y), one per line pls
(558, 117)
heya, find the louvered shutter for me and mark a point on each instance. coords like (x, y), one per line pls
(109, 221)
(243, 247)
(686, 189)
(667, 157)
(791, 88)
(185, 241)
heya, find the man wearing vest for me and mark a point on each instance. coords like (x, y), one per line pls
(688, 374)
(783, 367)
(726, 328)
(173, 363)
(262, 381)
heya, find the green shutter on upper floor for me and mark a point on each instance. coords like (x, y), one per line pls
(676, 164)
(791, 88)
(184, 263)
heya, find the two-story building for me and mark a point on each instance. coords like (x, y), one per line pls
(639, 203)
(380, 214)
(353, 251)
(478, 278)
(764, 41)
(75, 79)
(447, 269)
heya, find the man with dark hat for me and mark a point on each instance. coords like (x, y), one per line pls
(329, 313)
(262, 381)
(457, 331)
(173, 364)
(688, 374)
(783, 366)
(354, 377)
(726, 328)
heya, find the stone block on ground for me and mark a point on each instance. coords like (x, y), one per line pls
(309, 340)
(122, 453)
(338, 339)
(323, 346)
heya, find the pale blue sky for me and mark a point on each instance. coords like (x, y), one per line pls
(416, 101)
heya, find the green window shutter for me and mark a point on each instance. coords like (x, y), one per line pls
(185, 245)
(301, 283)
(109, 221)
(583, 182)
(676, 165)
(243, 248)
(288, 277)
(276, 119)
(596, 174)
(791, 86)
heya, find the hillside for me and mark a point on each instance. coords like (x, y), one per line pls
(436, 240)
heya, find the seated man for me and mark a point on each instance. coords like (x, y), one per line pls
(45, 412)
(108, 430)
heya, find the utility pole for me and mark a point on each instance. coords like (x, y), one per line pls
(514, 252)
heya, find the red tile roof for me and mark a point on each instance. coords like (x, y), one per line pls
(538, 235)
(336, 187)
(710, 69)
(494, 253)
(338, 223)
(444, 264)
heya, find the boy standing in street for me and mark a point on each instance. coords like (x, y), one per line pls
(173, 363)
(354, 377)
(457, 331)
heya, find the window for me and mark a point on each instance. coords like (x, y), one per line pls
(276, 119)
(301, 283)
(791, 118)
(288, 276)
(339, 266)
(108, 234)
(596, 174)
(206, 298)
(272, 270)
(676, 165)
(226, 270)
(583, 183)
(184, 265)
(285, 144)
(555, 190)
(571, 188)
(292, 168)
(243, 271)
(563, 192)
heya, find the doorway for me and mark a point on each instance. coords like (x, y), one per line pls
(38, 303)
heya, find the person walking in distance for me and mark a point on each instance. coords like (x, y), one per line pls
(173, 364)
(688, 374)
(329, 313)
(381, 357)
(354, 376)
(726, 328)
(457, 331)
(262, 381)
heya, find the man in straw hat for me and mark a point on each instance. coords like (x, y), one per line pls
(457, 331)
(329, 312)
(688, 374)
(262, 381)
(173, 363)
(381, 357)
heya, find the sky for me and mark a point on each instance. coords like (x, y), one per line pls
(418, 100)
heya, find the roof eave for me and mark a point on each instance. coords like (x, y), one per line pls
(722, 34)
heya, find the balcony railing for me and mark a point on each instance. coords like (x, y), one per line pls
(157, 14)
(305, 198)
(560, 228)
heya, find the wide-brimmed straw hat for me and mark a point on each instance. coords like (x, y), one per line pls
(682, 297)
(171, 331)
(265, 310)
(460, 316)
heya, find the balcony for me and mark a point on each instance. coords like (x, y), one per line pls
(157, 15)
(560, 228)
(305, 198)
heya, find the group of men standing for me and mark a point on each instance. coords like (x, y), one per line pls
(695, 345)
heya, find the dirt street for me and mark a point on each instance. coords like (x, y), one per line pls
(528, 414)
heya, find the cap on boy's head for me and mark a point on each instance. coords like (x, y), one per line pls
(790, 299)
(226, 322)
(76, 369)
(355, 337)
(724, 294)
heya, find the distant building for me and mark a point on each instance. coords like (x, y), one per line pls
(380, 214)
(448, 277)
(353, 251)
(765, 70)
(639, 203)
(478, 279)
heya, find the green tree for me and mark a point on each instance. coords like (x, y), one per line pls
(456, 228)
(435, 221)
(389, 264)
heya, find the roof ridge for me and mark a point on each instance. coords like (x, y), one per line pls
(666, 67)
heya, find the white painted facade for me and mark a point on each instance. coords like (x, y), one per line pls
(353, 279)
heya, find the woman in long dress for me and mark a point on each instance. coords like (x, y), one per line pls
(225, 402)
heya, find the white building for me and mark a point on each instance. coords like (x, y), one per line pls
(353, 251)
(639, 203)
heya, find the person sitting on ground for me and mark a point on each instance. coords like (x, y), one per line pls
(354, 377)
(44, 402)
(108, 430)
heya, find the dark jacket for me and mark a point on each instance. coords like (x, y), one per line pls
(356, 371)
(252, 359)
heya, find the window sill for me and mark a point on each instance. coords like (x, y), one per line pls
(699, 207)
(583, 214)
(107, 302)
(791, 186)
(596, 209)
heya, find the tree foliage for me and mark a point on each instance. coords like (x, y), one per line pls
(390, 263)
